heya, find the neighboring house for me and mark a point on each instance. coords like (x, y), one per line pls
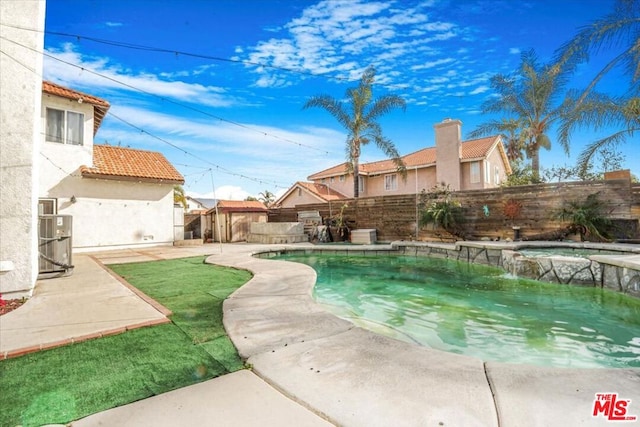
(199, 205)
(304, 193)
(463, 165)
(232, 219)
(118, 197)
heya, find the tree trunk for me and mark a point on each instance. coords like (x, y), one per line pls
(535, 164)
(356, 178)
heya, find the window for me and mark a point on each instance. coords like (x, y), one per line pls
(360, 184)
(299, 192)
(47, 206)
(391, 182)
(497, 176)
(475, 172)
(331, 180)
(65, 127)
(342, 178)
(324, 180)
(487, 172)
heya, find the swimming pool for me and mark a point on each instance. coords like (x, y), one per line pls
(479, 311)
(564, 251)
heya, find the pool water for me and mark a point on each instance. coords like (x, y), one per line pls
(479, 311)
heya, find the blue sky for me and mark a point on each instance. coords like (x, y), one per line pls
(220, 92)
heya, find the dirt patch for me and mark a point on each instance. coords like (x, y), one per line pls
(9, 305)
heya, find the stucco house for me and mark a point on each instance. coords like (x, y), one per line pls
(118, 197)
(463, 165)
(304, 193)
(198, 205)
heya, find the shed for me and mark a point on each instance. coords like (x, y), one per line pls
(235, 218)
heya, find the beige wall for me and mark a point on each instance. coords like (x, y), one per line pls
(297, 197)
(494, 159)
(448, 152)
(20, 97)
(343, 187)
(375, 185)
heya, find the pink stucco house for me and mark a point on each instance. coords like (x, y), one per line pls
(463, 165)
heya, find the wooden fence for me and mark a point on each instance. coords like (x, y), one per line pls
(394, 217)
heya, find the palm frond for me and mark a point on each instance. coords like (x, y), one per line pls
(590, 150)
(332, 106)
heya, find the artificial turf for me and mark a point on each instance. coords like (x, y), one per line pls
(67, 383)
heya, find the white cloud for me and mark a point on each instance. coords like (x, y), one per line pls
(113, 24)
(431, 64)
(514, 51)
(71, 68)
(479, 89)
(359, 31)
(244, 154)
(224, 192)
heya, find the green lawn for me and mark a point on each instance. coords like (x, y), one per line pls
(67, 383)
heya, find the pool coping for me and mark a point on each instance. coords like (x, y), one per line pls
(354, 377)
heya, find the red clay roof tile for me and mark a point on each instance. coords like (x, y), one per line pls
(241, 204)
(472, 149)
(322, 191)
(126, 163)
(100, 106)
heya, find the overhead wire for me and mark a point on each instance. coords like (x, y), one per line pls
(127, 45)
(169, 100)
(218, 167)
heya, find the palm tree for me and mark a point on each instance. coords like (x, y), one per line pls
(179, 197)
(530, 96)
(359, 117)
(510, 130)
(597, 111)
(617, 32)
(266, 197)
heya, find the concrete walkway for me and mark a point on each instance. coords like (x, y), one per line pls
(312, 367)
(87, 304)
(91, 303)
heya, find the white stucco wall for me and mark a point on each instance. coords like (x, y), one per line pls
(111, 214)
(20, 95)
(57, 161)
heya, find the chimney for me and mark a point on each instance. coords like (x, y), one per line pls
(448, 153)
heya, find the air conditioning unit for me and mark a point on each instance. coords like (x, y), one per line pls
(54, 246)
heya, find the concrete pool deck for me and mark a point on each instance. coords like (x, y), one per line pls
(355, 377)
(315, 367)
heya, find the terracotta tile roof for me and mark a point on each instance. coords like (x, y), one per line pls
(100, 106)
(128, 164)
(471, 150)
(322, 191)
(240, 206)
(477, 148)
(337, 170)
